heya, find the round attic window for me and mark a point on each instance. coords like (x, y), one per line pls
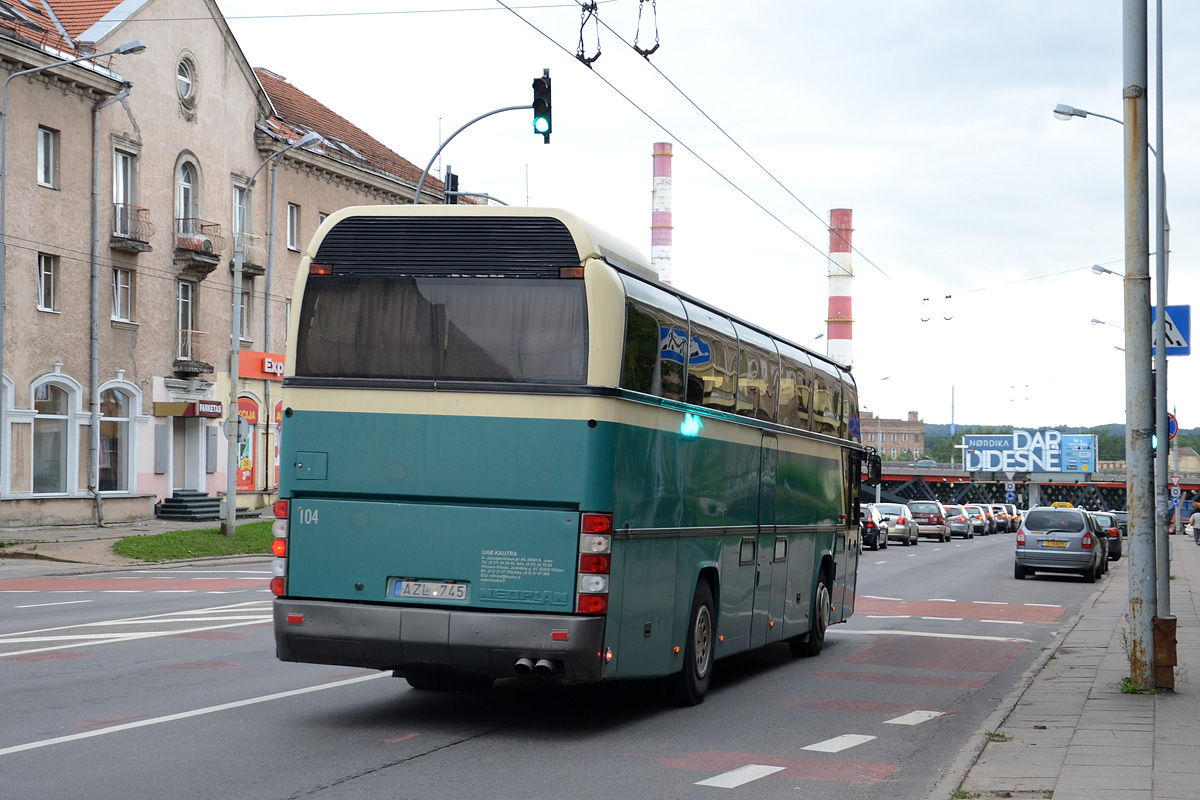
(185, 80)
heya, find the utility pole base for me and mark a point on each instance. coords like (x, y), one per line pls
(1165, 655)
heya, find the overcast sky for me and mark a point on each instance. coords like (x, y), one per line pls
(931, 119)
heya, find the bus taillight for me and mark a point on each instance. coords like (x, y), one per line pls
(279, 548)
(595, 561)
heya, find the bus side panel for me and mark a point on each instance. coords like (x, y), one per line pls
(647, 581)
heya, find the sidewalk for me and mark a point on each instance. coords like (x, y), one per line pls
(1068, 732)
(84, 544)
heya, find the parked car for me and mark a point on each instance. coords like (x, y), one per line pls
(901, 525)
(1106, 521)
(1122, 518)
(931, 519)
(960, 523)
(979, 520)
(1060, 540)
(871, 527)
(925, 462)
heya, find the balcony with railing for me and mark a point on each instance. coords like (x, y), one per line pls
(254, 254)
(198, 245)
(132, 228)
(193, 353)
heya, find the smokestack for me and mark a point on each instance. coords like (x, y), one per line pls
(660, 213)
(840, 333)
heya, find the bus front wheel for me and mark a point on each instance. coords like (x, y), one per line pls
(811, 644)
(689, 686)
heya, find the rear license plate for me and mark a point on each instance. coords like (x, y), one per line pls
(429, 590)
(1053, 543)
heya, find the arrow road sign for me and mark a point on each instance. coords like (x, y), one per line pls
(1178, 330)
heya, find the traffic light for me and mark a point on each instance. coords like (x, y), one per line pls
(541, 106)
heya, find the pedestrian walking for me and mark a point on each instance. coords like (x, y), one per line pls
(1194, 521)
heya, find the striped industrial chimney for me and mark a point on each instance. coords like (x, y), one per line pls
(660, 213)
(840, 333)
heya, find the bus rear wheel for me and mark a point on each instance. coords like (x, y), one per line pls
(811, 644)
(689, 686)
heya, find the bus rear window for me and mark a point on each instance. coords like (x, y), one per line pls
(452, 329)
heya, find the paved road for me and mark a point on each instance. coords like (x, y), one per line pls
(164, 684)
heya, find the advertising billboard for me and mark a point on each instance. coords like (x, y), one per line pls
(1030, 451)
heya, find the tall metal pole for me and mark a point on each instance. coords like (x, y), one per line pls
(1138, 413)
(1161, 465)
(229, 525)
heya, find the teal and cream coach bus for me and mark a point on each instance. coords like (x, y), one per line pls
(507, 449)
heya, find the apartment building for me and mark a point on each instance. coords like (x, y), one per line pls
(127, 186)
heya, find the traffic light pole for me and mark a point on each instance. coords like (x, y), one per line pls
(438, 152)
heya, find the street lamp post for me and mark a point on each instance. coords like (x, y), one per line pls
(1162, 258)
(129, 48)
(231, 422)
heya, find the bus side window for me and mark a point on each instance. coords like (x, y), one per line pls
(655, 341)
(850, 428)
(758, 375)
(795, 387)
(712, 359)
(827, 399)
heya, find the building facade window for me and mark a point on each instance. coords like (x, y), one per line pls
(246, 305)
(124, 170)
(185, 319)
(47, 267)
(293, 226)
(185, 193)
(893, 453)
(114, 441)
(321, 217)
(906, 437)
(51, 404)
(185, 80)
(47, 157)
(241, 210)
(122, 295)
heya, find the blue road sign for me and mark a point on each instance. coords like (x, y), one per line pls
(1010, 496)
(1179, 330)
(1174, 502)
(1172, 426)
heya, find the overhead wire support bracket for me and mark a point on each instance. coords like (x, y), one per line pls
(588, 11)
(654, 11)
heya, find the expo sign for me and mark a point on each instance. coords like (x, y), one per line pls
(1030, 451)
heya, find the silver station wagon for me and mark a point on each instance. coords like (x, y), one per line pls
(1059, 540)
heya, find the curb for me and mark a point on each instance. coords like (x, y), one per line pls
(969, 755)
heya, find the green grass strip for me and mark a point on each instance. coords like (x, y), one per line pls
(252, 538)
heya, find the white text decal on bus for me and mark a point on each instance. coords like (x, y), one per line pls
(500, 566)
(304, 516)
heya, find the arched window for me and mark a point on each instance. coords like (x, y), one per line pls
(185, 195)
(114, 441)
(50, 438)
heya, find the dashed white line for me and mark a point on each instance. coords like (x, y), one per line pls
(877, 597)
(941, 600)
(1003, 621)
(914, 718)
(837, 744)
(1042, 605)
(989, 603)
(888, 616)
(945, 619)
(930, 634)
(739, 776)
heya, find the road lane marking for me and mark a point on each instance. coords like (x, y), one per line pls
(889, 616)
(188, 714)
(742, 775)
(121, 591)
(835, 745)
(1042, 605)
(989, 603)
(944, 619)
(941, 600)
(914, 718)
(93, 640)
(62, 603)
(1004, 621)
(877, 597)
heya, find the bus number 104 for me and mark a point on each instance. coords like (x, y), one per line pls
(304, 516)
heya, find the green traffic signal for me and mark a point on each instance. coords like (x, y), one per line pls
(541, 106)
(1154, 441)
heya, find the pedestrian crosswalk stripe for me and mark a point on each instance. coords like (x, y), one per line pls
(739, 776)
(839, 743)
(914, 718)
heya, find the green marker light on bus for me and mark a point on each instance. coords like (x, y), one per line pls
(691, 425)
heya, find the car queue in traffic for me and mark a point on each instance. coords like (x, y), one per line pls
(1056, 539)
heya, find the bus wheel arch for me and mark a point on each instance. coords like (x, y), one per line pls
(810, 644)
(689, 686)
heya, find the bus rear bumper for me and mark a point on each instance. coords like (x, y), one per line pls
(432, 640)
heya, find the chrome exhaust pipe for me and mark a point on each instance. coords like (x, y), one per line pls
(544, 666)
(524, 666)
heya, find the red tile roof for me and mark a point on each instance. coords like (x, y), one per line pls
(344, 140)
(79, 15)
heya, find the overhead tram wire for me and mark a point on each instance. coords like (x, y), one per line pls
(735, 142)
(331, 14)
(679, 141)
